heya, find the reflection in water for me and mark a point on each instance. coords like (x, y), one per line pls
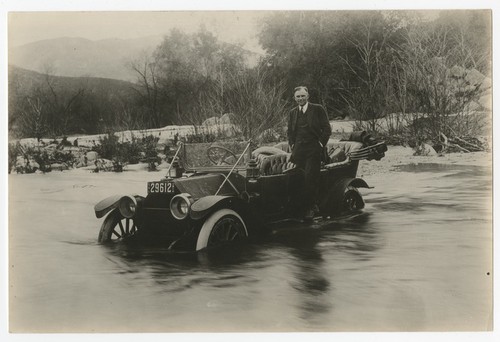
(177, 272)
(418, 258)
(309, 278)
(309, 283)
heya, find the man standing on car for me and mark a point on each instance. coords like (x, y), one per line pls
(308, 133)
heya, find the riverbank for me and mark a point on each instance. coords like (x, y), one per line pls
(395, 157)
(398, 155)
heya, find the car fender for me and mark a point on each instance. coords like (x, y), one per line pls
(206, 205)
(110, 203)
(334, 198)
(343, 183)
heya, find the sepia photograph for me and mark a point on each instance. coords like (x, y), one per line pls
(288, 170)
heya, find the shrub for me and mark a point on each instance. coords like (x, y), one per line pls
(28, 154)
(149, 145)
(62, 157)
(200, 138)
(108, 146)
(43, 157)
(129, 152)
(15, 150)
(43, 160)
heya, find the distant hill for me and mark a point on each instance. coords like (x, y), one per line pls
(22, 81)
(76, 57)
(108, 58)
(99, 99)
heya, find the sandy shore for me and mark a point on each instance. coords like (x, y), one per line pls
(394, 157)
(399, 155)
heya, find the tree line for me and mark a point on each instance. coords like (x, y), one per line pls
(358, 64)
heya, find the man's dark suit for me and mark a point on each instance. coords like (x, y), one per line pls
(306, 153)
(317, 120)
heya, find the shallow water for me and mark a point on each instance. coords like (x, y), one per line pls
(417, 259)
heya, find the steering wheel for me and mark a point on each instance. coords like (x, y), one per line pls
(220, 155)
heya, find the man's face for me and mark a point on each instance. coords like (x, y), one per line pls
(301, 97)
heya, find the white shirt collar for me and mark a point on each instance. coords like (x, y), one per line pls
(304, 107)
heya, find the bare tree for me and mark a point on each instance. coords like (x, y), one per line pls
(369, 101)
(149, 89)
(32, 118)
(437, 81)
(257, 104)
(60, 103)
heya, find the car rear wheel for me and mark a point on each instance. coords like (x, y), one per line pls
(222, 227)
(116, 227)
(352, 200)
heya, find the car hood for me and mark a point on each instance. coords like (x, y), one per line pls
(199, 186)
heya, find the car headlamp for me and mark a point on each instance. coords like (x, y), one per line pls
(127, 206)
(180, 205)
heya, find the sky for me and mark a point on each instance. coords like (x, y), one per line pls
(230, 26)
(33, 23)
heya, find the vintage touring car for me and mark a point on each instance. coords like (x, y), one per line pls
(216, 193)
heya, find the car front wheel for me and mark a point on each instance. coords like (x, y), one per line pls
(222, 227)
(116, 227)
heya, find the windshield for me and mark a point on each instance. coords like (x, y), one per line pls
(216, 155)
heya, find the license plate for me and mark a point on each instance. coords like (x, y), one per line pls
(160, 188)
